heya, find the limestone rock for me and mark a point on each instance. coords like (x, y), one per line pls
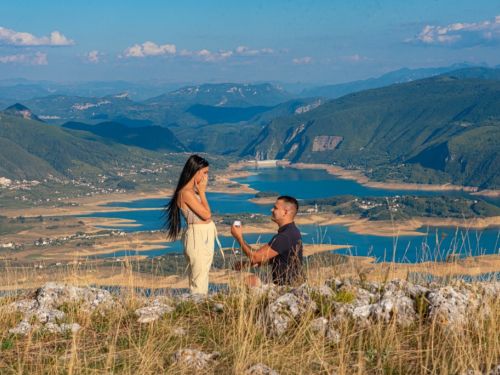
(153, 312)
(179, 332)
(450, 308)
(334, 284)
(271, 290)
(45, 315)
(219, 307)
(194, 358)
(395, 305)
(278, 315)
(323, 290)
(261, 369)
(23, 328)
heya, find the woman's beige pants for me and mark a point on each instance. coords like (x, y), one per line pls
(198, 248)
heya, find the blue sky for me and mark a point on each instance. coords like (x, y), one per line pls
(243, 41)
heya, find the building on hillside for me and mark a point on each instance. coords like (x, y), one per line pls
(4, 182)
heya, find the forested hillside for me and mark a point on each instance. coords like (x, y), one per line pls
(436, 130)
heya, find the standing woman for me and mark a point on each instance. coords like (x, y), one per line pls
(199, 235)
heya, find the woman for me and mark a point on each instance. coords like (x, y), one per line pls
(198, 237)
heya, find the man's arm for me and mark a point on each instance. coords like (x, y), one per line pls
(256, 257)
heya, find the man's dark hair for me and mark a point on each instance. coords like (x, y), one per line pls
(290, 200)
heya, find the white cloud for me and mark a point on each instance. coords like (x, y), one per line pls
(38, 58)
(459, 34)
(149, 49)
(92, 57)
(247, 51)
(15, 38)
(354, 58)
(208, 56)
(303, 60)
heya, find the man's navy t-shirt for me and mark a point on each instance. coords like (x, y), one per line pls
(287, 265)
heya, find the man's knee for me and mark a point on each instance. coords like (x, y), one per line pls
(252, 281)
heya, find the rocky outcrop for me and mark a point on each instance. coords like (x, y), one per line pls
(42, 311)
(278, 315)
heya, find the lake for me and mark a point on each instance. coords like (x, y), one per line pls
(306, 184)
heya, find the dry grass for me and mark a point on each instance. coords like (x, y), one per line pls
(116, 343)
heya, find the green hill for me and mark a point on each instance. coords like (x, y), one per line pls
(483, 73)
(405, 207)
(154, 138)
(229, 138)
(436, 130)
(18, 164)
(33, 150)
(218, 115)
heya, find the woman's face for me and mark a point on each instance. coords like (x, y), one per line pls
(201, 174)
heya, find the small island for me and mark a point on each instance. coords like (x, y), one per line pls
(265, 197)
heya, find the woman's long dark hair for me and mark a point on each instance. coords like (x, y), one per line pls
(171, 213)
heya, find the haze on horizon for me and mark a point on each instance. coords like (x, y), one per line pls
(319, 41)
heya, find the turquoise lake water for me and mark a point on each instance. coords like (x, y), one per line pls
(306, 184)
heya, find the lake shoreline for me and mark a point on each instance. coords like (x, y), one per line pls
(361, 179)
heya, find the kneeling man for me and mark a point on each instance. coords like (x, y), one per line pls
(283, 252)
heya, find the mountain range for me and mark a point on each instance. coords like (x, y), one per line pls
(398, 76)
(31, 149)
(440, 129)
(443, 129)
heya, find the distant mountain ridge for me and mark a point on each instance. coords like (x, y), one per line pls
(435, 130)
(227, 95)
(191, 106)
(399, 76)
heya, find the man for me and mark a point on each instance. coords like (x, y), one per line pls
(283, 252)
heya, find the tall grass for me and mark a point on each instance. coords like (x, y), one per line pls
(114, 342)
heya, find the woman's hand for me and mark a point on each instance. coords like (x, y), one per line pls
(202, 185)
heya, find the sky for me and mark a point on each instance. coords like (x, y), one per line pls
(314, 41)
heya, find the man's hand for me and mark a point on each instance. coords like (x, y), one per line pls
(238, 266)
(237, 232)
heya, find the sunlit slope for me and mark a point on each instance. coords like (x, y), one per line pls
(16, 163)
(37, 149)
(449, 125)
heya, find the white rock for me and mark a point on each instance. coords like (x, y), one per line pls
(23, 328)
(278, 315)
(395, 305)
(45, 315)
(450, 308)
(261, 369)
(152, 313)
(179, 332)
(218, 307)
(193, 358)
